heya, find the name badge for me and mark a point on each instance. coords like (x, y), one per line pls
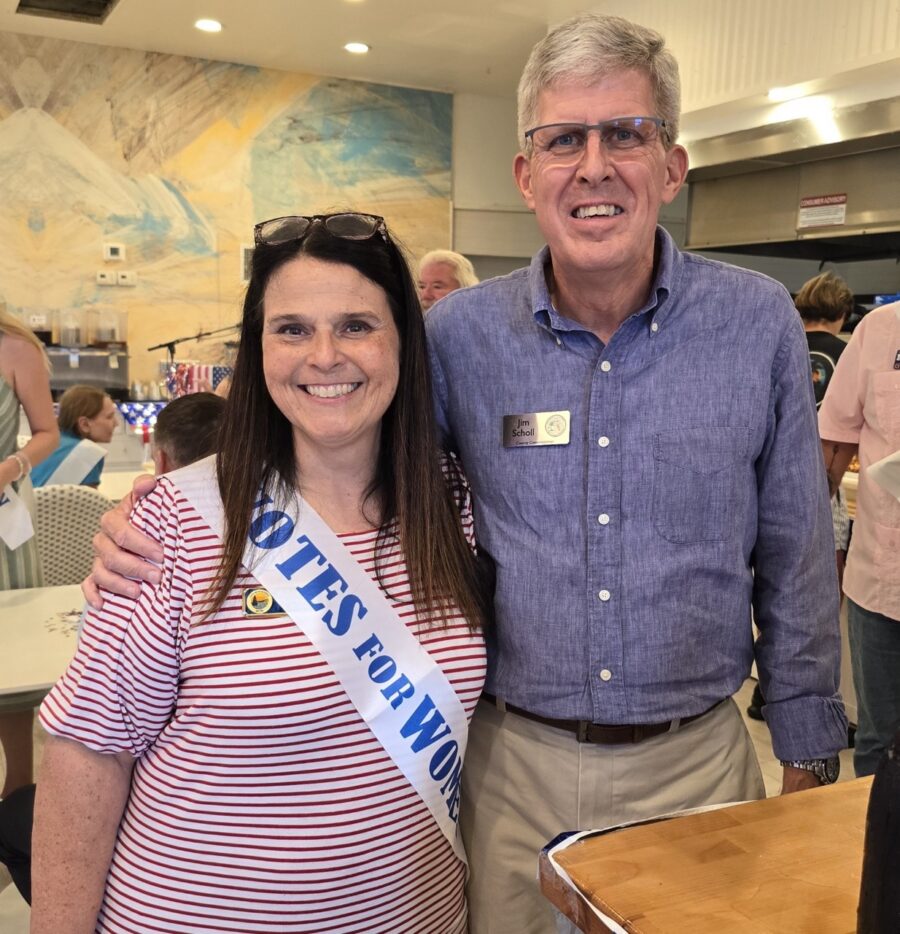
(258, 602)
(536, 428)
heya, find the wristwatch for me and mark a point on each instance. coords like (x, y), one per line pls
(825, 770)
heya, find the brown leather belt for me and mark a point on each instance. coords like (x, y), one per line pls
(606, 734)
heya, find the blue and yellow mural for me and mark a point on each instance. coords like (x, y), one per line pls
(176, 159)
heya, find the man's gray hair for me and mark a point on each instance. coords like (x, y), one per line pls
(463, 270)
(591, 46)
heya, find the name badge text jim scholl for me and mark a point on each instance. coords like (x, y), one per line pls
(536, 429)
(397, 687)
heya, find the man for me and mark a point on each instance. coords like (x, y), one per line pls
(639, 430)
(186, 430)
(442, 272)
(861, 414)
(638, 427)
(824, 303)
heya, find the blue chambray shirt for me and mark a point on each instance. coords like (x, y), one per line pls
(692, 487)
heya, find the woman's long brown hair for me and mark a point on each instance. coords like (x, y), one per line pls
(417, 503)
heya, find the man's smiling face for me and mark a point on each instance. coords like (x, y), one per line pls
(599, 212)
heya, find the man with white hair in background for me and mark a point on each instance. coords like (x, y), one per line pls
(638, 427)
(442, 272)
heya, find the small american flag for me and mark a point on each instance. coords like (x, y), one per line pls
(200, 377)
(186, 377)
(219, 373)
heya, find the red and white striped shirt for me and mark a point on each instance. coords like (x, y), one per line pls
(260, 800)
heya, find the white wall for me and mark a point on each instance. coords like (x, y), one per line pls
(489, 217)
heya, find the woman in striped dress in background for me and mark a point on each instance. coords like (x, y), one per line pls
(25, 381)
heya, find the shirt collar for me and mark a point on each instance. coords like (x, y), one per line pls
(668, 271)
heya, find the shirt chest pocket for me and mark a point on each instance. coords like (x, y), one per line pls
(699, 481)
(886, 394)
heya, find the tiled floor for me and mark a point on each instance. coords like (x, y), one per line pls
(14, 914)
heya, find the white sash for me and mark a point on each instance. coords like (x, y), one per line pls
(397, 687)
(78, 463)
(15, 520)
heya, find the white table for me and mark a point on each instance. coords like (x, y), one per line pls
(116, 484)
(38, 628)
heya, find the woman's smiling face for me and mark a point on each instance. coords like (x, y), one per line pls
(331, 355)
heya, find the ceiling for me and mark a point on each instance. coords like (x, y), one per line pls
(729, 50)
(459, 46)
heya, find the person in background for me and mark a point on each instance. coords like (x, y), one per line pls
(186, 431)
(25, 383)
(279, 689)
(87, 420)
(824, 302)
(861, 415)
(442, 272)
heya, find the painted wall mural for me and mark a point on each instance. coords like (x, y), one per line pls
(176, 159)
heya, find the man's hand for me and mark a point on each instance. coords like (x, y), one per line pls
(121, 551)
(838, 455)
(798, 780)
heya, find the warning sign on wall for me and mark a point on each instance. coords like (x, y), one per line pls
(822, 211)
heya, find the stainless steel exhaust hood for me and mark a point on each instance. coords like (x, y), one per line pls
(797, 190)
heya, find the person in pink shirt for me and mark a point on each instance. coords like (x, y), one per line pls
(861, 414)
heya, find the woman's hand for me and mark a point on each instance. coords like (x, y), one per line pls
(123, 554)
(9, 471)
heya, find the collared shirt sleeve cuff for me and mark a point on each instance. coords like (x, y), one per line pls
(807, 727)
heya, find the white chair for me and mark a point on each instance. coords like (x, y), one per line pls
(66, 518)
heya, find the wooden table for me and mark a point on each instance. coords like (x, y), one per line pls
(38, 629)
(786, 865)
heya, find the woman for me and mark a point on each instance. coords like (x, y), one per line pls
(207, 769)
(25, 381)
(87, 419)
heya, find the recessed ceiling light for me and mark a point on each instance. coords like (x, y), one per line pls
(790, 93)
(208, 25)
(357, 48)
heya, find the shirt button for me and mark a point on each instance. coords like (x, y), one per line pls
(606, 366)
(605, 675)
(654, 327)
(604, 595)
(603, 519)
(603, 441)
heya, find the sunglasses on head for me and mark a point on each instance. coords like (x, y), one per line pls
(348, 226)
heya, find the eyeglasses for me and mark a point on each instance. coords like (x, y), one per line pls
(566, 141)
(349, 226)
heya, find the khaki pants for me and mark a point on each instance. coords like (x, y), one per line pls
(524, 783)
